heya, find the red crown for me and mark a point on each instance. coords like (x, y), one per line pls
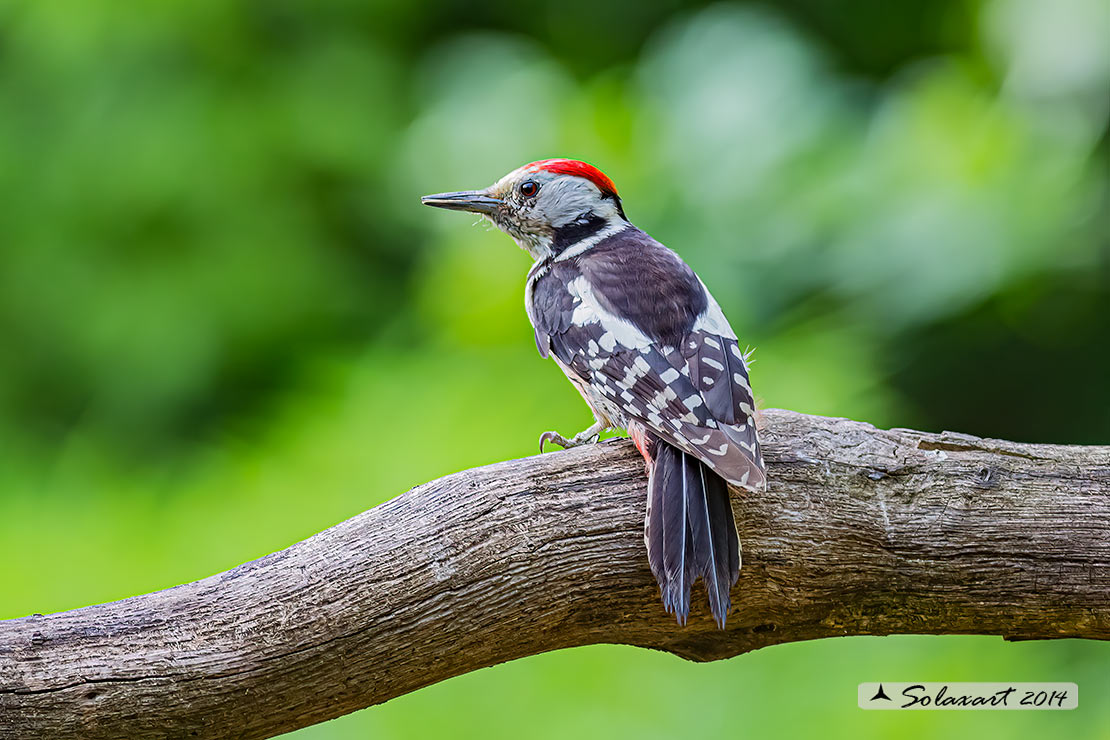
(579, 169)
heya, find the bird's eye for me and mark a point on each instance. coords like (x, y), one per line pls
(528, 188)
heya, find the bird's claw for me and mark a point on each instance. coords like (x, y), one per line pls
(587, 437)
(555, 438)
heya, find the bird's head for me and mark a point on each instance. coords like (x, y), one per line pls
(544, 204)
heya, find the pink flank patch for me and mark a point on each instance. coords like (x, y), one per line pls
(643, 443)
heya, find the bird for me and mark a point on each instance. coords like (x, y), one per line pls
(639, 335)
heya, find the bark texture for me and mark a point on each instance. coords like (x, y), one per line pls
(862, 531)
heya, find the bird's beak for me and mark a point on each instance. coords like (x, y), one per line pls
(476, 201)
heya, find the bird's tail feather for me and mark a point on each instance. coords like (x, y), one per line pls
(690, 532)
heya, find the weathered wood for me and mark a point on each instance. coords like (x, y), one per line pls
(862, 532)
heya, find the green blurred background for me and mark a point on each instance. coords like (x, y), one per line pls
(223, 312)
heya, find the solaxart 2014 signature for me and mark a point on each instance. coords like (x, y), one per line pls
(940, 695)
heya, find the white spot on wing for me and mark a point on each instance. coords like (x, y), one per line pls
(616, 329)
(712, 320)
(692, 402)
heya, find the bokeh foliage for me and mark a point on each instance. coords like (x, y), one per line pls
(226, 322)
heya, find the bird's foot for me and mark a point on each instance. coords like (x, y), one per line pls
(586, 436)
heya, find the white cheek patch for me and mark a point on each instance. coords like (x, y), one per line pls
(564, 198)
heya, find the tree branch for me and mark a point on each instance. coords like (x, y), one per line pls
(861, 532)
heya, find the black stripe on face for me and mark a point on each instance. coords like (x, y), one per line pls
(580, 228)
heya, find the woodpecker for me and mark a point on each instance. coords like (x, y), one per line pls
(647, 346)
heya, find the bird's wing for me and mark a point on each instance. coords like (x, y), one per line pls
(693, 393)
(647, 384)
